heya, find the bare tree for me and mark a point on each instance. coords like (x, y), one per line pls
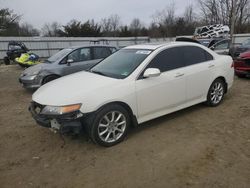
(51, 29)
(27, 29)
(189, 14)
(115, 22)
(221, 11)
(165, 19)
(136, 26)
(106, 26)
(110, 26)
(243, 15)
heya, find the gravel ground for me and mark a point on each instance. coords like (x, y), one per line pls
(199, 147)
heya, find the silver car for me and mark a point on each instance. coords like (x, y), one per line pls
(222, 47)
(64, 62)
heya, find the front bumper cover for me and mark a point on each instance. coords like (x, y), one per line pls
(30, 81)
(245, 72)
(70, 122)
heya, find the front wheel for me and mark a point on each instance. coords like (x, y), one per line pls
(109, 126)
(49, 79)
(216, 93)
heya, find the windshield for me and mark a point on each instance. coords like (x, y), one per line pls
(246, 43)
(121, 64)
(59, 55)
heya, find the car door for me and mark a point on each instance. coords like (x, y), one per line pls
(165, 92)
(222, 47)
(78, 60)
(199, 65)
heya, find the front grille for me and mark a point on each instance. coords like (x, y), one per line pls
(247, 61)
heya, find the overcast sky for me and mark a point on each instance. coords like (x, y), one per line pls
(38, 12)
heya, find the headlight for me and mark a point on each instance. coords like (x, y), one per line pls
(34, 73)
(59, 110)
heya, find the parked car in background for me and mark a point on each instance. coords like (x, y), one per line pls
(208, 42)
(15, 49)
(245, 46)
(132, 86)
(222, 47)
(242, 65)
(66, 61)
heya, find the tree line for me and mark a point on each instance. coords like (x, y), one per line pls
(164, 23)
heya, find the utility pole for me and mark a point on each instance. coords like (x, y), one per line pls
(233, 22)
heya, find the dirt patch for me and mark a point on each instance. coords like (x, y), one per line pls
(195, 147)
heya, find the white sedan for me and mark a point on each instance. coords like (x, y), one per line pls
(134, 85)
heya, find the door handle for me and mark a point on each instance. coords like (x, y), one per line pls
(179, 75)
(211, 66)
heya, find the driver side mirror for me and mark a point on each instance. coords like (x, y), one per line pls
(151, 72)
(212, 47)
(69, 61)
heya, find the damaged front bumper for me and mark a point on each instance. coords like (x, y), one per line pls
(30, 81)
(70, 122)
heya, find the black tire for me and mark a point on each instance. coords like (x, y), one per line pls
(49, 79)
(94, 125)
(6, 61)
(216, 92)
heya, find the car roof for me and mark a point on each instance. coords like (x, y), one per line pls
(154, 46)
(147, 46)
(90, 45)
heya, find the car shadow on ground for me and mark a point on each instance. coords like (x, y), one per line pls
(164, 119)
(84, 139)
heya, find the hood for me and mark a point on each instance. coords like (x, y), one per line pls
(245, 55)
(72, 89)
(35, 69)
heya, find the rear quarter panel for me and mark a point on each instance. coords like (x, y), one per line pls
(224, 69)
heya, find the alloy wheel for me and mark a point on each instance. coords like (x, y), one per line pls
(217, 93)
(112, 126)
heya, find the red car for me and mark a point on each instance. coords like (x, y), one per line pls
(242, 65)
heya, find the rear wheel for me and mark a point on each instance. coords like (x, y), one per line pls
(109, 126)
(49, 78)
(6, 61)
(216, 92)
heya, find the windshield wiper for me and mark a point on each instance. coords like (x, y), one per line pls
(98, 72)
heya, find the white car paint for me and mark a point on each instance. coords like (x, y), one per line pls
(148, 98)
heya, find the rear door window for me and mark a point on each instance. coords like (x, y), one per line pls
(101, 53)
(194, 55)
